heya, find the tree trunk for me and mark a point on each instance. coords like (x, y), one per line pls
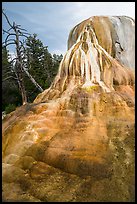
(19, 70)
(22, 88)
(33, 80)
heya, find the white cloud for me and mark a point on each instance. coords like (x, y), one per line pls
(87, 9)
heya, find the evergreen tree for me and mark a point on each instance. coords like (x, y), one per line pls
(56, 61)
(40, 64)
(10, 92)
(36, 65)
(33, 63)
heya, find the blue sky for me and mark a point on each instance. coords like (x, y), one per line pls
(52, 21)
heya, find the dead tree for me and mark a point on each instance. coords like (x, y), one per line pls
(13, 37)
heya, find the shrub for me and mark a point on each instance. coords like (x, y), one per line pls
(10, 108)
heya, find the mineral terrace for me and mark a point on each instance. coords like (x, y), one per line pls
(75, 142)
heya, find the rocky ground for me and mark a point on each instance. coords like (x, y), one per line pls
(71, 152)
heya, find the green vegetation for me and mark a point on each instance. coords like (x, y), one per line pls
(10, 108)
(41, 65)
(10, 90)
(30, 72)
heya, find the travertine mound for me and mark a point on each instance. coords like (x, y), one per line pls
(101, 50)
(76, 141)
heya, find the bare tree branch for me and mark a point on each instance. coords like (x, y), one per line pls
(9, 78)
(7, 19)
(22, 28)
(8, 41)
(23, 35)
(9, 44)
(9, 29)
(8, 36)
(13, 59)
(33, 80)
(8, 32)
(8, 73)
(18, 67)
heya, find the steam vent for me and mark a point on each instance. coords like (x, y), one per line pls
(75, 142)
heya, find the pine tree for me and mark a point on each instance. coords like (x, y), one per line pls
(40, 64)
(13, 36)
(10, 92)
(31, 71)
